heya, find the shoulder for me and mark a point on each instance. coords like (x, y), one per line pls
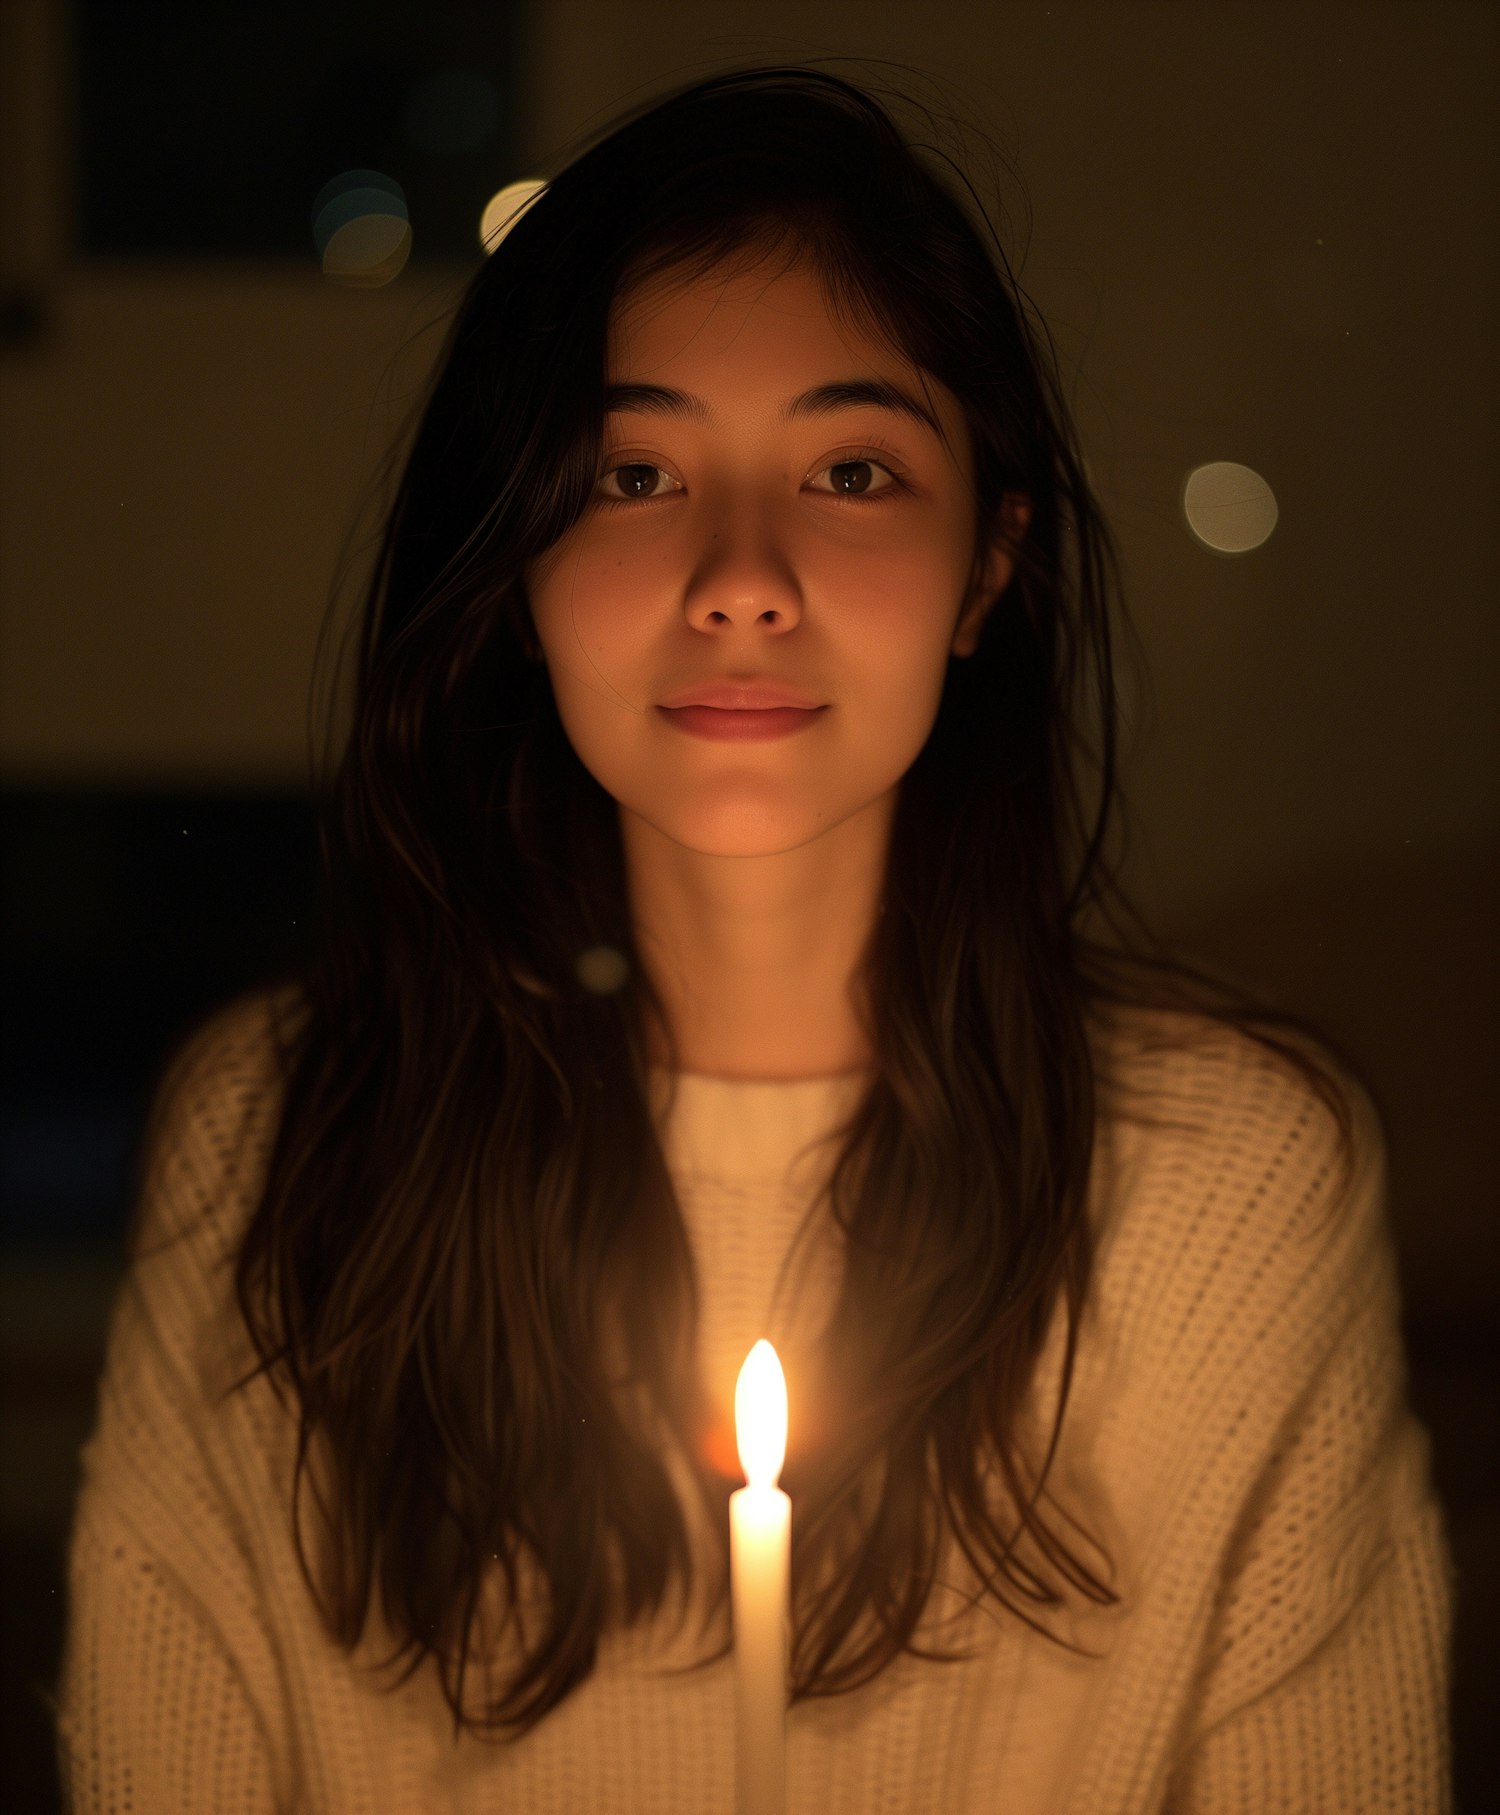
(1226, 1096)
(1248, 1188)
(212, 1118)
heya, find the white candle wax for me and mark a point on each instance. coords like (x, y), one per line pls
(760, 1530)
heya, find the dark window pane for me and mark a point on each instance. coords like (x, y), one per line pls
(208, 130)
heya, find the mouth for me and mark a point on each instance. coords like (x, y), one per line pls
(742, 726)
(752, 694)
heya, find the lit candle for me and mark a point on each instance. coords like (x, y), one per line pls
(760, 1530)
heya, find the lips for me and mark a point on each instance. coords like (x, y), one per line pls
(755, 726)
(742, 696)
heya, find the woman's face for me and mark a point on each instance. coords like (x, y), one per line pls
(742, 534)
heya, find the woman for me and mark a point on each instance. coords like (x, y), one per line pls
(637, 1029)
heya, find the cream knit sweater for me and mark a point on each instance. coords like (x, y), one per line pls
(1237, 1436)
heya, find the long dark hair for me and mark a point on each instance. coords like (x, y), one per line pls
(467, 1190)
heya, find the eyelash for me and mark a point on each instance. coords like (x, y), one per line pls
(859, 457)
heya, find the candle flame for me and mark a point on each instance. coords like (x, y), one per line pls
(760, 1415)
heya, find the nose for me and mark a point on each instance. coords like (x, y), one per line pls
(743, 577)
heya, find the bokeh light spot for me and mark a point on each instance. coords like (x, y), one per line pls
(602, 969)
(504, 209)
(1228, 507)
(369, 251)
(361, 229)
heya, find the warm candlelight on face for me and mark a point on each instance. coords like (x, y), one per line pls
(760, 1529)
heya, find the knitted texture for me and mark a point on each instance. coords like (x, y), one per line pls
(1237, 1437)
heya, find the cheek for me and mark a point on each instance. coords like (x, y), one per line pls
(890, 671)
(912, 571)
(593, 646)
(895, 618)
(593, 599)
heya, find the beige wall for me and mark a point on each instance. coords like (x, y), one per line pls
(181, 468)
(1316, 796)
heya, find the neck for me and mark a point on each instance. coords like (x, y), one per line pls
(758, 958)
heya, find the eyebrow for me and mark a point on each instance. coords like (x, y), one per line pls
(822, 400)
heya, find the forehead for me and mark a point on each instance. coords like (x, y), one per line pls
(660, 307)
(769, 327)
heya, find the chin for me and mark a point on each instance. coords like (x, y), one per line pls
(740, 831)
(750, 841)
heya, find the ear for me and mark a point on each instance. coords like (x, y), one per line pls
(994, 572)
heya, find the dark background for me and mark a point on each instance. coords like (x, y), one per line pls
(1262, 233)
(210, 129)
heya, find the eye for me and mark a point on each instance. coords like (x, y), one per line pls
(640, 480)
(634, 473)
(862, 488)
